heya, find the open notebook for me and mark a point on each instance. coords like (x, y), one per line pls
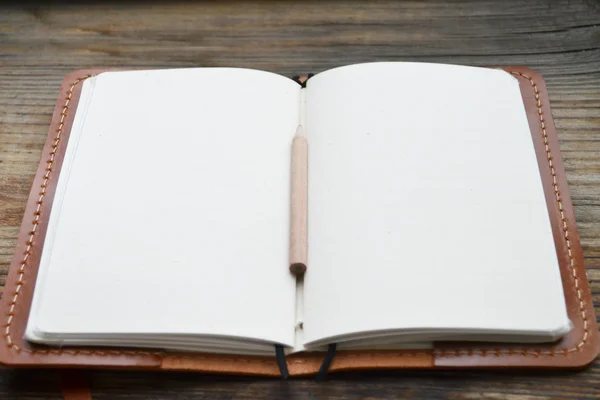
(426, 213)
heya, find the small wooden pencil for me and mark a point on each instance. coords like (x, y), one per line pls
(299, 203)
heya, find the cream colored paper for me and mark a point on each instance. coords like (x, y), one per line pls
(427, 213)
(172, 215)
(426, 216)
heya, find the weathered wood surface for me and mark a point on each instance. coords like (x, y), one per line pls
(561, 39)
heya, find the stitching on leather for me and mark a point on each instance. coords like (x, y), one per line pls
(29, 242)
(565, 229)
(443, 352)
(299, 360)
(303, 360)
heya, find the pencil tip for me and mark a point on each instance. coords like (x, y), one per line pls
(300, 131)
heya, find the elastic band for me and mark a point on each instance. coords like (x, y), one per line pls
(322, 374)
(281, 362)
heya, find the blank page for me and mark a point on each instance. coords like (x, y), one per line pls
(426, 205)
(171, 214)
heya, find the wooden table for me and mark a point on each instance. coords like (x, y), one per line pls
(39, 45)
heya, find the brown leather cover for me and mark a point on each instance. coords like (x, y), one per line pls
(577, 349)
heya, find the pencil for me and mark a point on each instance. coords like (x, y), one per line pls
(299, 203)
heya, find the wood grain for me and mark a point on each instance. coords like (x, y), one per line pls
(561, 39)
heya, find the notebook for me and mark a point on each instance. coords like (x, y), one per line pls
(429, 220)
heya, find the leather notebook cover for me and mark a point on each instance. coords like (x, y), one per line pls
(577, 349)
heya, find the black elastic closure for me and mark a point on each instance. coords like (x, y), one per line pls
(281, 362)
(322, 374)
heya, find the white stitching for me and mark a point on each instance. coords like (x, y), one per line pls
(565, 229)
(30, 242)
